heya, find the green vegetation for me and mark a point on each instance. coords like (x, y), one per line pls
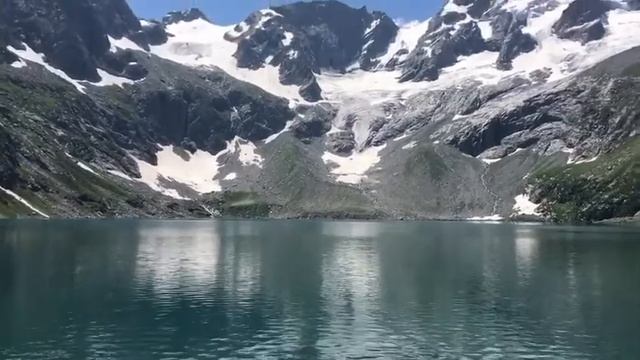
(10, 208)
(608, 187)
(425, 162)
(633, 70)
(242, 204)
(298, 182)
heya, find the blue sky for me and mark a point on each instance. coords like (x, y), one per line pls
(232, 11)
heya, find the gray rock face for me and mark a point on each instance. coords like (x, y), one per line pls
(306, 38)
(187, 15)
(633, 4)
(583, 21)
(73, 34)
(514, 44)
(508, 39)
(580, 113)
(441, 49)
(341, 142)
(207, 108)
(314, 123)
(8, 158)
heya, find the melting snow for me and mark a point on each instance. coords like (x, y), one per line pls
(485, 29)
(85, 167)
(111, 80)
(82, 165)
(581, 161)
(410, 145)
(451, 6)
(197, 171)
(18, 64)
(407, 38)
(231, 176)
(246, 151)
(30, 55)
(524, 206)
(352, 169)
(288, 37)
(123, 44)
(24, 202)
(120, 174)
(374, 24)
(491, 161)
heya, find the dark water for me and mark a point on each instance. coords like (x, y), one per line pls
(317, 290)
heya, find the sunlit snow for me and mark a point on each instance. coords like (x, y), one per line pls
(197, 171)
(30, 55)
(524, 206)
(352, 169)
(201, 43)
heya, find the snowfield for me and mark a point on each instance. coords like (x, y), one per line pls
(352, 169)
(201, 43)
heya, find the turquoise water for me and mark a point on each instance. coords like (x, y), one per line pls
(317, 290)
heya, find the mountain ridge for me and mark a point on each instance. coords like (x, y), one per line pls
(315, 109)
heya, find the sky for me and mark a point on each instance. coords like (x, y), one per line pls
(226, 12)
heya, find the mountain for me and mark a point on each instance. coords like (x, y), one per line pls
(491, 109)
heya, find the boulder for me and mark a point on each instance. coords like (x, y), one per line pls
(582, 21)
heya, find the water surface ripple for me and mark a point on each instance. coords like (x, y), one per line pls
(317, 290)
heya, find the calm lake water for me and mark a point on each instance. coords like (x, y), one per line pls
(317, 290)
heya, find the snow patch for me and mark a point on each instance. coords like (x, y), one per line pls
(524, 206)
(81, 165)
(231, 176)
(18, 64)
(581, 161)
(85, 167)
(407, 38)
(123, 44)
(120, 174)
(374, 24)
(246, 151)
(288, 38)
(111, 80)
(351, 169)
(489, 218)
(30, 55)
(490, 161)
(451, 6)
(24, 202)
(403, 136)
(485, 29)
(410, 145)
(197, 171)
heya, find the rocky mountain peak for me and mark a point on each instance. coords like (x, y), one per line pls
(74, 36)
(186, 15)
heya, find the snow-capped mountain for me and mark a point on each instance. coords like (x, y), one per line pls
(319, 109)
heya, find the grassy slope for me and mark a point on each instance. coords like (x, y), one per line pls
(303, 191)
(608, 187)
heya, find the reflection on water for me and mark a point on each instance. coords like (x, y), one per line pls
(317, 290)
